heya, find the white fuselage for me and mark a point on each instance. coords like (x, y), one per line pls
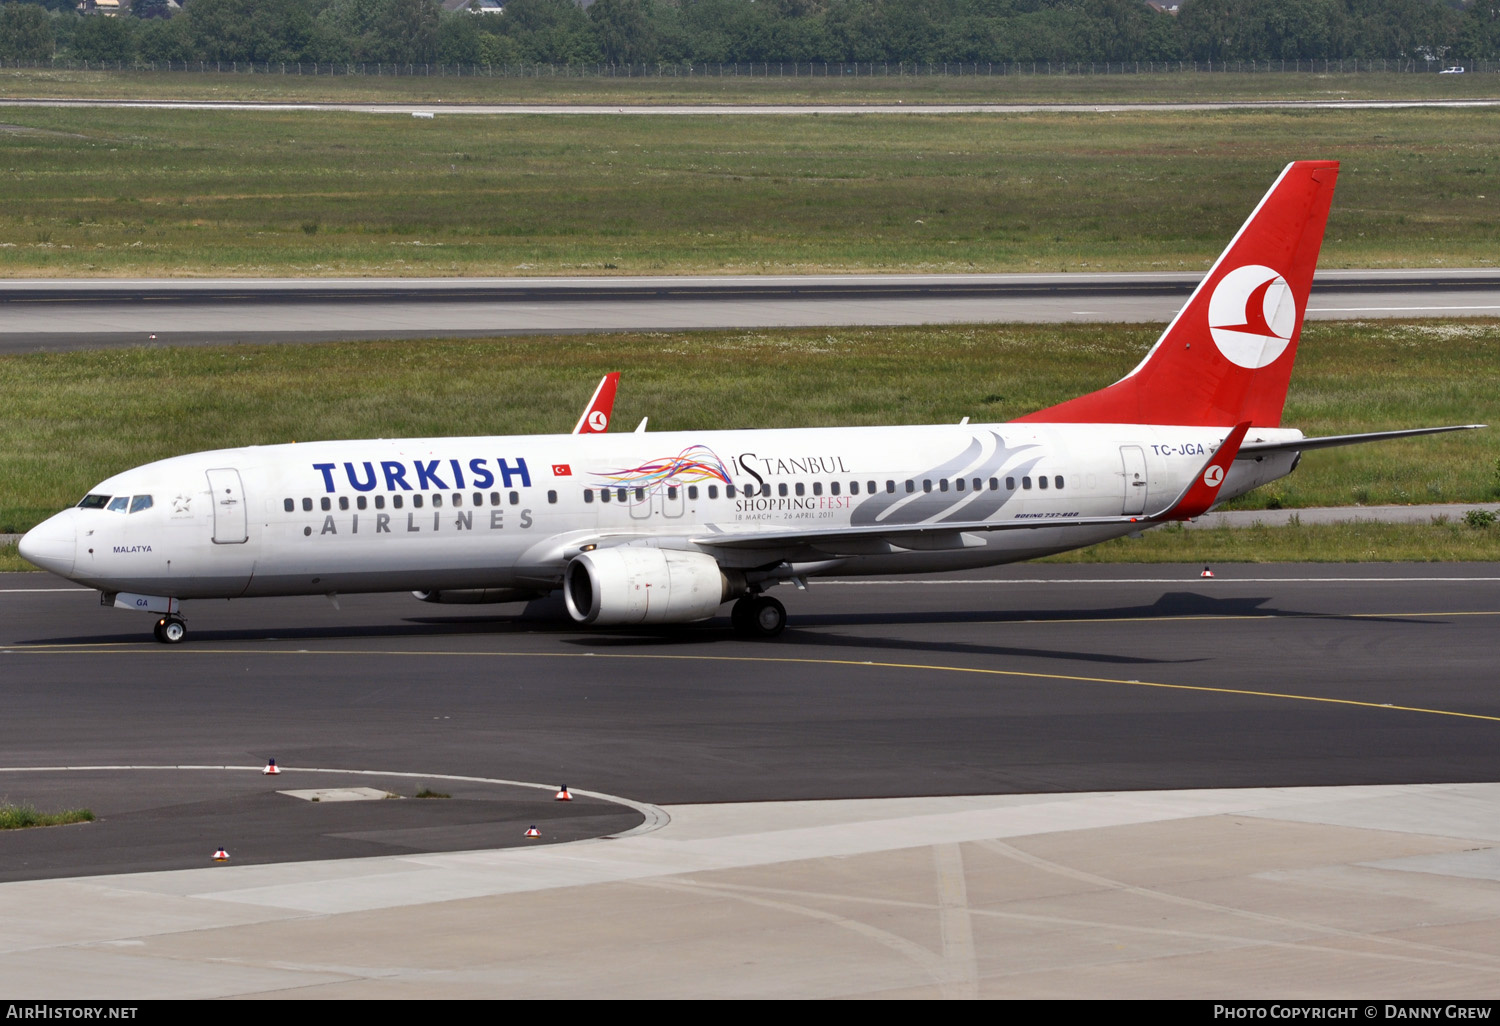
(509, 512)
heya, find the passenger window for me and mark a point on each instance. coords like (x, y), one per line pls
(1010, 484)
(326, 503)
(479, 499)
(416, 501)
(395, 502)
(1025, 484)
(604, 495)
(943, 485)
(588, 495)
(306, 505)
(801, 490)
(1041, 482)
(437, 501)
(729, 491)
(926, 485)
(911, 486)
(120, 503)
(343, 502)
(692, 491)
(551, 496)
(713, 491)
(494, 498)
(380, 502)
(640, 495)
(958, 483)
(361, 501)
(979, 484)
(671, 491)
(853, 487)
(458, 498)
(1057, 481)
(817, 487)
(289, 505)
(781, 490)
(833, 487)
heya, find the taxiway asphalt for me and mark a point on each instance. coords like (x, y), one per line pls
(1014, 680)
(57, 315)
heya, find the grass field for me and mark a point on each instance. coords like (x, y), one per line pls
(677, 88)
(19, 817)
(93, 192)
(72, 419)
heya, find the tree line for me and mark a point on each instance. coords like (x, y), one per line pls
(740, 31)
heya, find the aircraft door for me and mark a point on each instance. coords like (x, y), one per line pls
(672, 501)
(1133, 457)
(640, 503)
(229, 507)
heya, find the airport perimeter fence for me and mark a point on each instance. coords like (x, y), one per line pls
(764, 69)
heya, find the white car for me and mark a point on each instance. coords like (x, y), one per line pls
(1451, 71)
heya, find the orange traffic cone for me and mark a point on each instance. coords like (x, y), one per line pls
(271, 768)
(564, 795)
(533, 832)
(1206, 572)
(221, 855)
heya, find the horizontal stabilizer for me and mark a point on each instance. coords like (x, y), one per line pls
(1252, 449)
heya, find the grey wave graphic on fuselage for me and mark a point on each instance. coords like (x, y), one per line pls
(952, 506)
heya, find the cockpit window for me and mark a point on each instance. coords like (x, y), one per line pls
(139, 502)
(119, 503)
(93, 502)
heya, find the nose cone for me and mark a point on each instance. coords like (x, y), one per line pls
(52, 544)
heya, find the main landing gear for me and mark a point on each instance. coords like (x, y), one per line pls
(758, 616)
(170, 630)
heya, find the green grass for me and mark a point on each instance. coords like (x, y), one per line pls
(677, 89)
(93, 192)
(72, 419)
(1362, 542)
(19, 817)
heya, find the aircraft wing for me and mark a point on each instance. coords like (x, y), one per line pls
(1252, 449)
(1192, 501)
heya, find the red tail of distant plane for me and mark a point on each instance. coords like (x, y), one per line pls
(601, 407)
(1227, 355)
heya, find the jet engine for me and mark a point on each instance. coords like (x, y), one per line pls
(630, 584)
(476, 596)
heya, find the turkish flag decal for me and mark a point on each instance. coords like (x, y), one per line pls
(561, 470)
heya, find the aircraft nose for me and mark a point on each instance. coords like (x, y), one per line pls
(52, 544)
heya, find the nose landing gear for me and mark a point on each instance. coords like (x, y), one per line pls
(170, 630)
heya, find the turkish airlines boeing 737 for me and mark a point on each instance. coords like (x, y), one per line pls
(664, 528)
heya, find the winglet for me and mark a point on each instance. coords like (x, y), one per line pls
(1201, 492)
(601, 407)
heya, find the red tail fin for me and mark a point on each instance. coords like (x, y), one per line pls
(601, 407)
(1227, 355)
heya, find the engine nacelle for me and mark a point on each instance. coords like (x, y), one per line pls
(632, 584)
(476, 596)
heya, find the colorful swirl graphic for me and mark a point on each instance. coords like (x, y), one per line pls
(695, 463)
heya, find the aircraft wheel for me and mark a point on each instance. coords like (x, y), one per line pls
(170, 630)
(759, 616)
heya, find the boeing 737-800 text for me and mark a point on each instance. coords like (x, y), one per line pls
(662, 528)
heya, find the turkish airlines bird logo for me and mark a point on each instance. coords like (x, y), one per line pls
(1251, 316)
(598, 421)
(1213, 476)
